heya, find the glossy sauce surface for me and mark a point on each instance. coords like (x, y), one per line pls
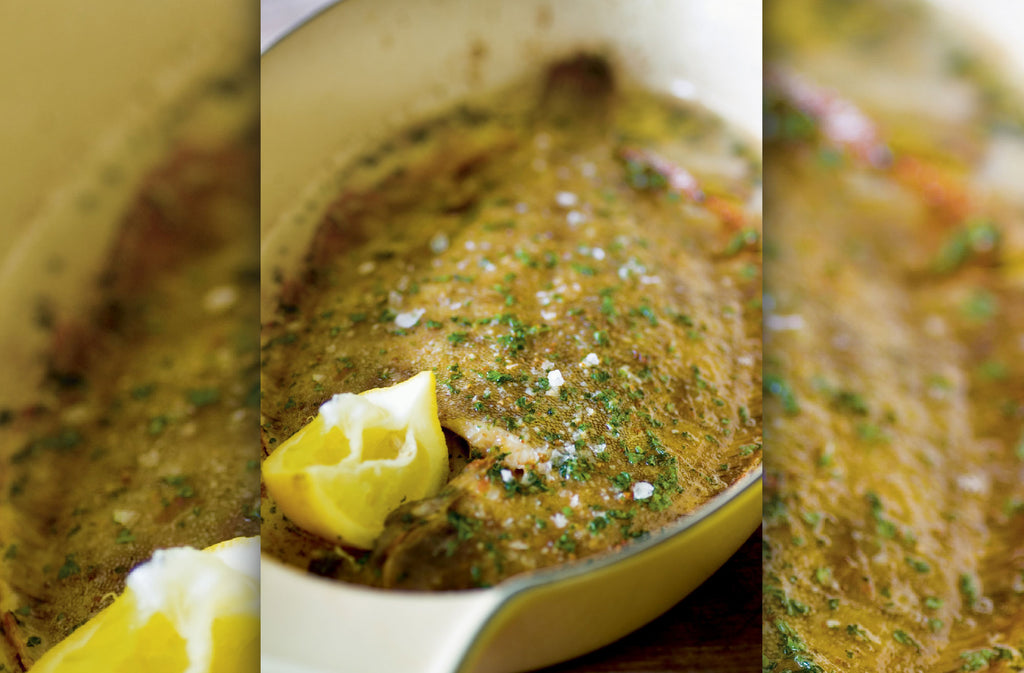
(894, 347)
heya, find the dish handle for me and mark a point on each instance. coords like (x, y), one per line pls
(381, 632)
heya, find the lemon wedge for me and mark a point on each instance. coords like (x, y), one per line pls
(359, 459)
(183, 611)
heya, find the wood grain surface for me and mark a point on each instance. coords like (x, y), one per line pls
(716, 629)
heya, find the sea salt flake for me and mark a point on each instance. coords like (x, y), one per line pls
(220, 299)
(410, 318)
(575, 218)
(566, 199)
(125, 517)
(973, 483)
(150, 458)
(784, 323)
(642, 490)
(439, 243)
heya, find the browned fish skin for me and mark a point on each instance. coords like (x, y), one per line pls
(145, 436)
(894, 511)
(509, 255)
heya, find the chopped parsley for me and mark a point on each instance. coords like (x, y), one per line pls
(143, 391)
(742, 239)
(566, 543)
(465, 527)
(69, 568)
(903, 638)
(778, 387)
(498, 377)
(965, 242)
(202, 397)
(157, 425)
(622, 481)
(968, 589)
(978, 659)
(918, 565)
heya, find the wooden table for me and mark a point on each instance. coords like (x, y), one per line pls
(716, 629)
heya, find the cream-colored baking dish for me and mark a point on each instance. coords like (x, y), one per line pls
(331, 90)
(91, 100)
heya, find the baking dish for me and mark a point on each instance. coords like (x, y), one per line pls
(331, 90)
(95, 101)
(92, 100)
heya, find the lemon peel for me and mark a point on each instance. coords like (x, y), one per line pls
(359, 459)
(183, 611)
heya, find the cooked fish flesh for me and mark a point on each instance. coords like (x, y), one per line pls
(144, 435)
(894, 511)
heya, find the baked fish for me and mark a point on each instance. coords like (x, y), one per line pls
(581, 271)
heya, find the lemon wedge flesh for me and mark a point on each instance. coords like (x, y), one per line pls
(184, 611)
(359, 459)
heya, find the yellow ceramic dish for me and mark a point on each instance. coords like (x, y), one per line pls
(311, 625)
(340, 84)
(94, 98)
